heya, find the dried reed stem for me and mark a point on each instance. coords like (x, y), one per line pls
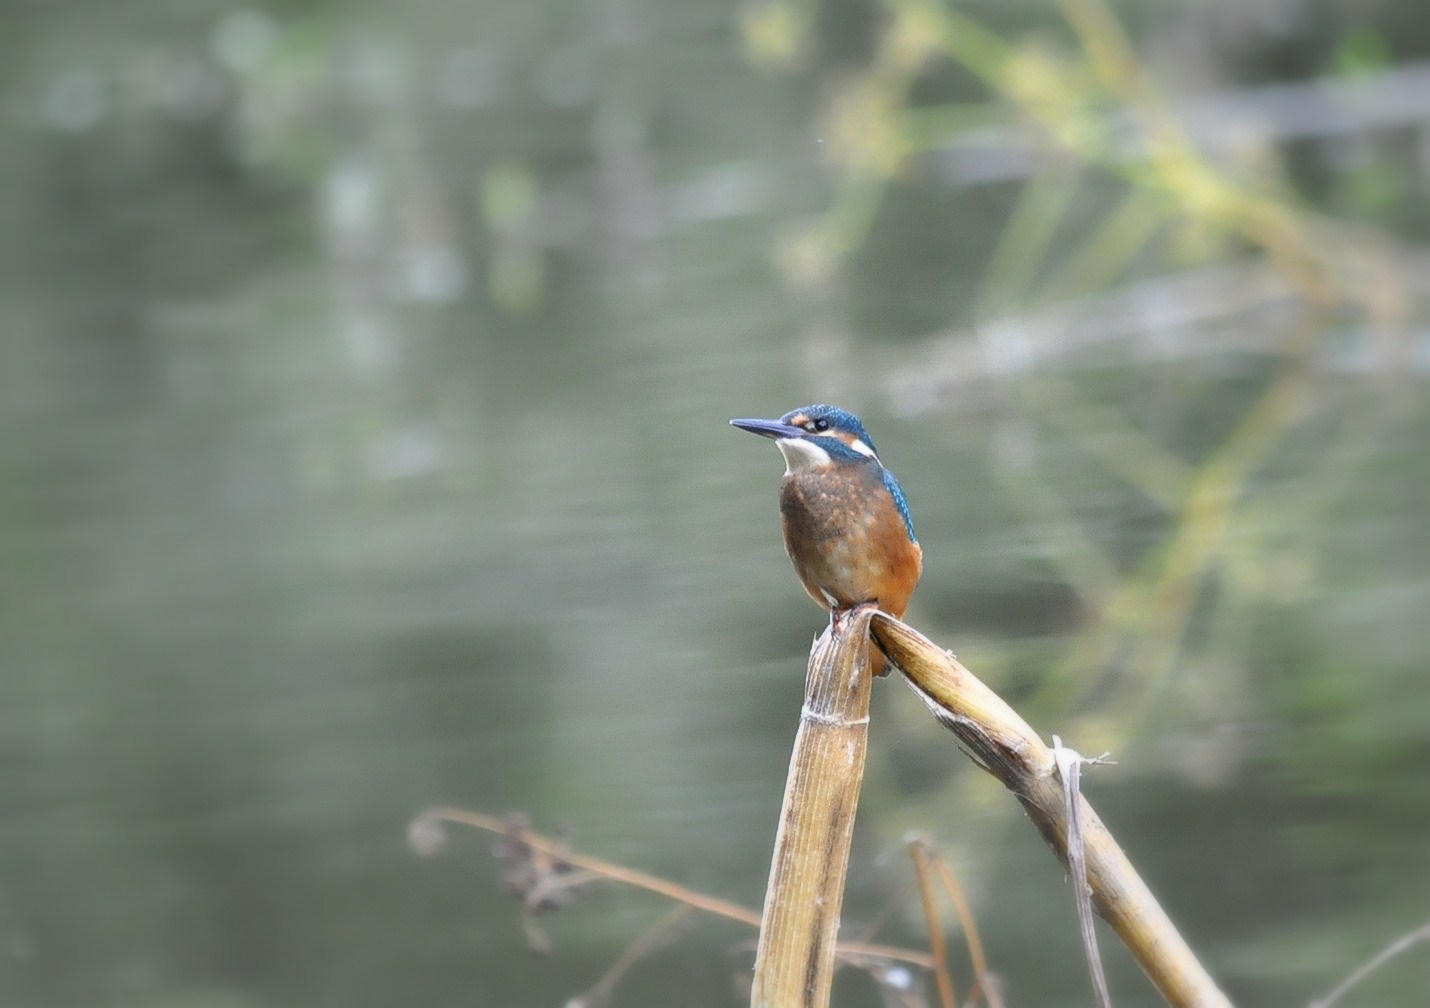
(794, 961)
(1002, 743)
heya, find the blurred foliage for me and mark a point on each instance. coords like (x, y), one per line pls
(1241, 493)
(364, 387)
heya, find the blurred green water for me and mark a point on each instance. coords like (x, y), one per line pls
(364, 384)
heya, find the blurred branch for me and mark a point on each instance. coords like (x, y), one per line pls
(1022, 244)
(1149, 610)
(1237, 307)
(1222, 124)
(1065, 100)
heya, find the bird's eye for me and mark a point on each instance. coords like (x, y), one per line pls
(820, 425)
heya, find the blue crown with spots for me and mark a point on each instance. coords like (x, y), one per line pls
(834, 418)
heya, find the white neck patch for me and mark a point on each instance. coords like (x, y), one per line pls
(802, 454)
(861, 447)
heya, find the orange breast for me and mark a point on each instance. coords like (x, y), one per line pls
(847, 540)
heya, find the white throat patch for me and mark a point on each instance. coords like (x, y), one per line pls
(802, 454)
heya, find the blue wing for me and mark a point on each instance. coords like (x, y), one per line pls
(901, 502)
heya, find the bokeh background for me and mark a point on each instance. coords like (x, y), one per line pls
(364, 378)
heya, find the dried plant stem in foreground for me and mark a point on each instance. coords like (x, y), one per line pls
(794, 961)
(427, 836)
(1002, 743)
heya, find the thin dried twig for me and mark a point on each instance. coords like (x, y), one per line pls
(658, 935)
(943, 977)
(982, 977)
(1420, 934)
(427, 836)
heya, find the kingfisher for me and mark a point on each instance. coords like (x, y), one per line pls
(846, 522)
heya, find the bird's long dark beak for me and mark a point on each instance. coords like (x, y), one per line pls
(769, 428)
